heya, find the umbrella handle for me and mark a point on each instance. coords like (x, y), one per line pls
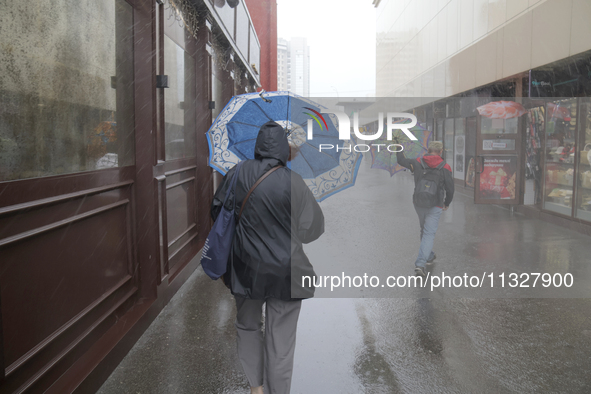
(266, 100)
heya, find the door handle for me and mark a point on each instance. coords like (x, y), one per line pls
(480, 164)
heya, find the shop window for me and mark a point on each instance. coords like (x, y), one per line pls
(66, 90)
(583, 208)
(459, 149)
(534, 128)
(179, 102)
(448, 143)
(242, 27)
(217, 94)
(560, 148)
(226, 14)
(255, 51)
(470, 151)
(499, 126)
(217, 88)
(439, 130)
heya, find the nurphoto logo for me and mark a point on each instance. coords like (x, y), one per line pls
(344, 129)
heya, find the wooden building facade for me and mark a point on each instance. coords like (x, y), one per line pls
(104, 183)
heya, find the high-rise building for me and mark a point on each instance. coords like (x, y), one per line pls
(293, 66)
(282, 56)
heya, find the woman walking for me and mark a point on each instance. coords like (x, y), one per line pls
(268, 260)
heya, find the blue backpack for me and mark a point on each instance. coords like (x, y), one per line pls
(218, 244)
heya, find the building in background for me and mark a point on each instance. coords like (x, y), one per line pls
(282, 69)
(104, 184)
(293, 66)
(461, 54)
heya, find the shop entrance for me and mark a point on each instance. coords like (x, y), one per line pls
(498, 173)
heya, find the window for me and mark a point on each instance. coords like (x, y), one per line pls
(67, 106)
(179, 102)
(584, 186)
(448, 141)
(561, 125)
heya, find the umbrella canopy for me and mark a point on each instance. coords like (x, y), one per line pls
(383, 159)
(233, 134)
(501, 110)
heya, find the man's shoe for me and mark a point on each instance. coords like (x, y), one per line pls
(421, 271)
(431, 260)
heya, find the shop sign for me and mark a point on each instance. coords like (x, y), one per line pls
(497, 180)
(541, 84)
(570, 78)
(498, 145)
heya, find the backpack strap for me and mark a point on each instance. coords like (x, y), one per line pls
(255, 186)
(439, 166)
(232, 185)
(422, 163)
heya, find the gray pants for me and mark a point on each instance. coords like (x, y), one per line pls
(267, 358)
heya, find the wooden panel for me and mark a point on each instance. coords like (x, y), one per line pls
(162, 228)
(14, 223)
(19, 192)
(62, 350)
(47, 279)
(60, 198)
(179, 260)
(180, 209)
(67, 264)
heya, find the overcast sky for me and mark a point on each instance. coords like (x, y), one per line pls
(341, 35)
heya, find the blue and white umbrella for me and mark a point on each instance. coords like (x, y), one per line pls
(233, 134)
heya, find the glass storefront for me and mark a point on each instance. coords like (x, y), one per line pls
(439, 130)
(179, 97)
(448, 142)
(66, 90)
(498, 126)
(534, 128)
(470, 161)
(583, 200)
(459, 148)
(560, 148)
(179, 101)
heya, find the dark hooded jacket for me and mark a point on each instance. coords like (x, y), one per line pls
(280, 215)
(432, 161)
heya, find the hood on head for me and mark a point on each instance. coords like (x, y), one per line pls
(432, 160)
(272, 143)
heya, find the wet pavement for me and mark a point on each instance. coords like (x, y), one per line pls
(417, 341)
